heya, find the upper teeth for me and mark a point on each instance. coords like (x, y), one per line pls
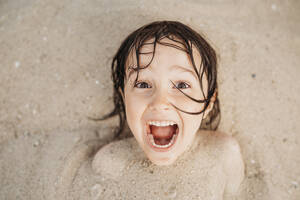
(161, 123)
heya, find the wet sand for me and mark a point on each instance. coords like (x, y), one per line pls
(55, 73)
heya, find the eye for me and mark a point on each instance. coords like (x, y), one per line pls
(142, 85)
(182, 85)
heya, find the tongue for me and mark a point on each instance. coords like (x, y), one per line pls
(162, 134)
(162, 131)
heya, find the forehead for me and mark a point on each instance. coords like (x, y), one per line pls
(175, 46)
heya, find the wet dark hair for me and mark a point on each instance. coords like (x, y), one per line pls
(187, 39)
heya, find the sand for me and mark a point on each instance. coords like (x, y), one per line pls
(55, 73)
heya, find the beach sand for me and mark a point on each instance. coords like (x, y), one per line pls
(55, 73)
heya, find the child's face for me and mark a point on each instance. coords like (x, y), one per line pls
(148, 104)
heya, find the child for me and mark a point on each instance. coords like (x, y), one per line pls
(165, 87)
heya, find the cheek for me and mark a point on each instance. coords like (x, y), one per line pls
(134, 109)
(188, 105)
(191, 123)
(131, 110)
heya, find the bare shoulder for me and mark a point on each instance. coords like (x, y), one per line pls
(219, 141)
(229, 153)
(233, 164)
(226, 144)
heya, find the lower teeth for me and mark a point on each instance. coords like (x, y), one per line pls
(162, 146)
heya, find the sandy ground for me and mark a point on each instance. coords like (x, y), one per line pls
(55, 72)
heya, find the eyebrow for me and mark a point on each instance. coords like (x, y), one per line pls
(176, 67)
(184, 69)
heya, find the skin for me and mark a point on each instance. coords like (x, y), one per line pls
(215, 159)
(153, 96)
(152, 99)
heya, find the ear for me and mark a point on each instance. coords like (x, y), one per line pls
(210, 105)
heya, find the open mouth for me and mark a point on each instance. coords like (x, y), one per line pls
(162, 134)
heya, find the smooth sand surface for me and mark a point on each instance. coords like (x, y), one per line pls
(55, 73)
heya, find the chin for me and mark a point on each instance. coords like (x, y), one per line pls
(163, 161)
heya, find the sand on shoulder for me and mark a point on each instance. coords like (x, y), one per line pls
(197, 174)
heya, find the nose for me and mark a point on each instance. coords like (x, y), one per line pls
(160, 101)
